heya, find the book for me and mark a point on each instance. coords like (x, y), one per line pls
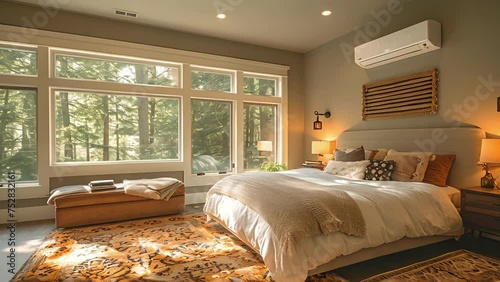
(97, 185)
(312, 162)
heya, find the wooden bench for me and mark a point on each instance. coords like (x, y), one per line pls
(112, 205)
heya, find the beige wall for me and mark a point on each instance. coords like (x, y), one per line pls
(470, 54)
(18, 15)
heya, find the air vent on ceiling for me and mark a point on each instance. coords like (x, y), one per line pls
(125, 13)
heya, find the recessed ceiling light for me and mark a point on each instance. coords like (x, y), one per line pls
(221, 16)
(326, 13)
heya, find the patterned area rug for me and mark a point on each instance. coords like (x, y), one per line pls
(175, 248)
(460, 265)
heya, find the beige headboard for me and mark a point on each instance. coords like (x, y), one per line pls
(464, 142)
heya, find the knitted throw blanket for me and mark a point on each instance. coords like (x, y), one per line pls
(294, 209)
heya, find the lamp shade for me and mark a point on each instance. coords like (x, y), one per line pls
(265, 146)
(321, 147)
(490, 151)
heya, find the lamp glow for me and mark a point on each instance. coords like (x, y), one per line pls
(490, 154)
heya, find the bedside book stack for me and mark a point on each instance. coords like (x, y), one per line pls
(98, 185)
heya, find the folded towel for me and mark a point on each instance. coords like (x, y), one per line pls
(67, 190)
(158, 188)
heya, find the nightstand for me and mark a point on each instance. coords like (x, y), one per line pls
(480, 210)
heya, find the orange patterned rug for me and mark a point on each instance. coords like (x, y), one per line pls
(459, 265)
(174, 248)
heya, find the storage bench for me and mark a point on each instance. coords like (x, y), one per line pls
(112, 205)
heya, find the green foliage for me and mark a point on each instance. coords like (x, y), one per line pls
(17, 61)
(273, 166)
(18, 133)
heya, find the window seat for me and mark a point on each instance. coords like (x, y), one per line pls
(112, 205)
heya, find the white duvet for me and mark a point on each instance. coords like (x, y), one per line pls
(392, 210)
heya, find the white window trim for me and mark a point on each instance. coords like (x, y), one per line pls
(53, 156)
(45, 40)
(122, 59)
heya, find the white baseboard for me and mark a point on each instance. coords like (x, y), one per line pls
(29, 214)
(196, 198)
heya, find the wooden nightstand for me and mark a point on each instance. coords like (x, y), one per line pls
(480, 209)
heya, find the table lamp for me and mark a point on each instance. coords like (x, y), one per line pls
(490, 154)
(321, 148)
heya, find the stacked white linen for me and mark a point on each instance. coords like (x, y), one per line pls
(392, 210)
(157, 188)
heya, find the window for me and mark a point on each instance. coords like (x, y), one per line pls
(77, 67)
(211, 136)
(18, 147)
(259, 135)
(94, 127)
(17, 61)
(259, 86)
(213, 81)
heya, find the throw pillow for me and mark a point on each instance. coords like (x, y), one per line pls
(405, 168)
(379, 170)
(350, 155)
(422, 166)
(438, 170)
(355, 170)
(370, 154)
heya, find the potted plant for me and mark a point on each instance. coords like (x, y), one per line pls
(272, 166)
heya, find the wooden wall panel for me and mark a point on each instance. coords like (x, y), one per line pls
(410, 95)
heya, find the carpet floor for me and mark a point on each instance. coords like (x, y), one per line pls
(175, 248)
(460, 265)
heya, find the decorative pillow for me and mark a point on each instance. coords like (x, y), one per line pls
(350, 155)
(405, 168)
(379, 170)
(438, 169)
(370, 154)
(375, 154)
(355, 170)
(422, 166)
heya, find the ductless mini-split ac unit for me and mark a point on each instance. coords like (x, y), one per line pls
(411, 41)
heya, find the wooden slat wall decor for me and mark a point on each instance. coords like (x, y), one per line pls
(410, 95)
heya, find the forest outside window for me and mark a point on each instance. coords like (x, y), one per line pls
(259, 86)
(18, 147)
(211, 80)
(97, 127)
(18, 61)
(211, 136)
(259, 135)
(86, 68)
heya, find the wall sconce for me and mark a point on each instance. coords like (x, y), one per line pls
(318, 125)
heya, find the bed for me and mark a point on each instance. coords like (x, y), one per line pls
(397, 215)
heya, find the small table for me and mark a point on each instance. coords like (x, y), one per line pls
(480, 210)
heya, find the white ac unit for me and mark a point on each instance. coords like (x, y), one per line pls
(411, 41)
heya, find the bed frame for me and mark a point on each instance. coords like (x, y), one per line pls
(465, 143)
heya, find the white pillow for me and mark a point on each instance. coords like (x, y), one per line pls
(419, 174)
(354, 170)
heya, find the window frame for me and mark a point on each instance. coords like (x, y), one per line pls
(53, 154)
(54, 52)
(231, 73)
(277, 90)
(232, 138)
(21, 47)
(47, 42)
(277, 143)
(36, 181)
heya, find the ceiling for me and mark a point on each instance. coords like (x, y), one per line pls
(294, 25)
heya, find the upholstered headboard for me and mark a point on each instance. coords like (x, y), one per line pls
(464, 142)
